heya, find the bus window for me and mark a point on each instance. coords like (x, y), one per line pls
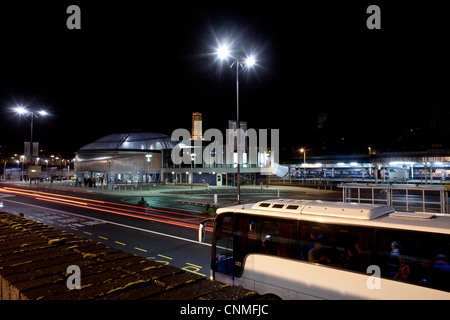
(263, 235)
(225, 223)
(224, 255)
(416, 257)
(224, 244)
(338, 246)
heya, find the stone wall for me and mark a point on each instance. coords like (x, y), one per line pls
(34, 259)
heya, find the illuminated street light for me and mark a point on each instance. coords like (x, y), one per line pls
(21, 110)
(24, 111)
(302, 150)
(149, 158)
(250, 61)
(224, 53)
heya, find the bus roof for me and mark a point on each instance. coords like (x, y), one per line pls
(370, 215)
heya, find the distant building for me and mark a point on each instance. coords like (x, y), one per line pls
(143, 157)
(133, 157)
(197, 132)
(216, 173)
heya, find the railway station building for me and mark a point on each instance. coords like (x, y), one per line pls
(122, 158)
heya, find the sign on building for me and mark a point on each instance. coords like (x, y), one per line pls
(34, 171)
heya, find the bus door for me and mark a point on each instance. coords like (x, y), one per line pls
(223, 260)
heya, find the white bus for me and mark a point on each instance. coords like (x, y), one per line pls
(299, 249)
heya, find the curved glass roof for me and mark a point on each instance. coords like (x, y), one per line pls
(131, 141)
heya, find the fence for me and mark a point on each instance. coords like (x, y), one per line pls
(416, 198)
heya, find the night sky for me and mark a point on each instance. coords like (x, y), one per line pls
(325, 80)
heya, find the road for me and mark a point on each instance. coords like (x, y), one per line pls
(166, 232)
(167, 236)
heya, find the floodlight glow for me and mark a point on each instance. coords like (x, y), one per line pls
(250, 61)
(223, 52)
(43, 113)
(21, 110)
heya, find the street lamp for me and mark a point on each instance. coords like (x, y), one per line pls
(224, 52)
(302, 150)
(149, 158)
(192, 173)
(21, 110)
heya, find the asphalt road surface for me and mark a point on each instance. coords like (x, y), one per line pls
(167, 236)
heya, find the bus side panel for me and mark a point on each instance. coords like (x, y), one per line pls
(291, 279)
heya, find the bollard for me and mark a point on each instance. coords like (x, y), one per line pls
(278, 191)
(215, 198)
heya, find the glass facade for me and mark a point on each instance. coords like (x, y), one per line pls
(131, 141)
(123, 158)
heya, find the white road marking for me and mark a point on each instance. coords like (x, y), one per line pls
(115, 223)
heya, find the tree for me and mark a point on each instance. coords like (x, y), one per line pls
(142, 203)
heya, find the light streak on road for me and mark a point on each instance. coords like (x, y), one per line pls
(111, 207)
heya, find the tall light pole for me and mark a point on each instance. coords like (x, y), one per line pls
(24, 111)
(149, 158)
(224, 53)
(302, 150)
(20, 110)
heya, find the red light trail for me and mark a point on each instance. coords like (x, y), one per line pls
(110, 207)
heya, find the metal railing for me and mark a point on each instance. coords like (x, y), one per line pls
(406, 197)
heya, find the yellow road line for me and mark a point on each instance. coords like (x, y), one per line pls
(74, 229)
(104, 238)
(87, 233)
(120, 243)
(143, 250)
(164, 256)
(194, 265)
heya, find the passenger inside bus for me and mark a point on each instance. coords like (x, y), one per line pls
(393, 263)
(403, 269)
(440, 273)
(350, 258)
(308, 244)
(336, 246)
(317, 253)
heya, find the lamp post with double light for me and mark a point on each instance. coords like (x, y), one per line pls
(224, 52)
(21, 110)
